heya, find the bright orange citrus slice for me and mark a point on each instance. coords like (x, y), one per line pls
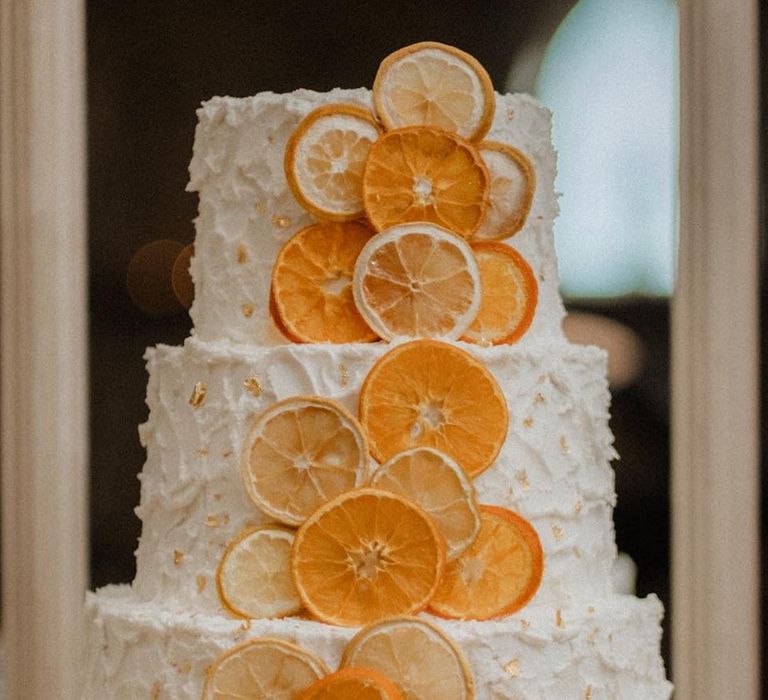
(432, 84)
(513, 183)
(433, 481)
(497, 575)
(262, 669)
(416, 655)
(366, 555)
(427, 393)
(301, 452)
(423, 173)
(417, 281)
(510, 295)
(324, 160)
(312, 284)
(352, 684)
(254, 575)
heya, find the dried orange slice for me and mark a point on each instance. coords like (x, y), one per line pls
(427, 393)
(262, 669)
(312, 284)
(352, 684)
(417, 281)
(510, 295)
(433, 84)
(433, 481)
(497, 575)
(324, 160)
(254, 576)
(423, 662)
(425, 174)
(301, 452)
(513, 183)
(366, 555)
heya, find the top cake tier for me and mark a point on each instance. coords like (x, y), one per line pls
(247, 211)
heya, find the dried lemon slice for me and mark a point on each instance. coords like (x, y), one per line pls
(324, 160)
(262, 669)
(434, 85)
(366, 555)
(301, 452)
(352, 684)
(427, 393)
(417, 281)
(312, 284)
(513, 183)
(425, 174)
(423, 662)
(433, 481)
(497, 575)
(510, 295)
(254, 576)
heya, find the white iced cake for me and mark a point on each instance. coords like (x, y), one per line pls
(157, 638)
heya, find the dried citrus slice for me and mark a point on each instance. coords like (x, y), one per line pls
(366, 555)
(312, 284)
(301, 452)
(262, 669)
(324, 160)
(497, 575)
(417, 281)
(433, 481)
(510, 295)
(427, 393)
(513, 182)
(433, 84)
(425, 174)
(416, 655)
(254, 575)
(352, 684)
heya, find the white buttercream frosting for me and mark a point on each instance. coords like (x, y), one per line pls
(154, 639)
(604, 650)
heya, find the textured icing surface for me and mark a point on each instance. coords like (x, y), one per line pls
(553, 468)
(247, 211)
(604, 650)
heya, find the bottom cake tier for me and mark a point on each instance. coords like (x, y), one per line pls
(606, 650)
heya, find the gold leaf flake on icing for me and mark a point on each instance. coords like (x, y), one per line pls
(559, 619)
(528, 422)
(557, 531)
(525, 624)
(592, 635)
(565, 448)
(588, 693)
(539, 398)
(512, 667)
(155, 692)
(344, 374)
(202, 582)
(212, 521)
(253, 385)
(242, 254)
(577, 507)
(248, 310)
(281, 221)
(522, 479)
(198, 395)
(178, 556)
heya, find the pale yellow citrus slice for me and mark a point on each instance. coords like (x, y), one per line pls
(417, 281)
(301, 452)
(420, 658)
(423, 173)
(311, 295)
(254, 576)
(513, 183)
(510, 295)
(432, 84)
(262, 669)
(367, 555)
(498, 574)
(427, 393)
(325, 157)
(352, 684)
(433, 481)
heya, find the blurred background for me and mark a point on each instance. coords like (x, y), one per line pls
(607, 69)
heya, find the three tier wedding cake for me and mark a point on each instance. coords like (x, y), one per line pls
(377, 469)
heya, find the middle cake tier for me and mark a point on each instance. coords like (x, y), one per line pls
(553, 468)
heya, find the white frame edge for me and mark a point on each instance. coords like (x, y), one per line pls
(44, 350)
(715, 353)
